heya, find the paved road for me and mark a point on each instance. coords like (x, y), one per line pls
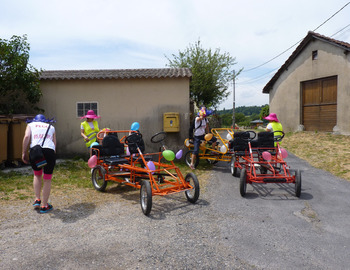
(272, 229)
(268, 229)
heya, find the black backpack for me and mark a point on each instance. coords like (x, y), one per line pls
(192, 128)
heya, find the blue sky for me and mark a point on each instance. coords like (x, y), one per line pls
(113, 34)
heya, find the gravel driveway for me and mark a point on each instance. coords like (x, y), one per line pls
(268, 229)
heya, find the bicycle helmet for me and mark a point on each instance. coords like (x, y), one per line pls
(39, 118)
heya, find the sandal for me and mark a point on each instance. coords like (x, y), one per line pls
(192, 167)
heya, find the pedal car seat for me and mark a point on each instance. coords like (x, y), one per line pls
(112, 149)
(266, 139)
(111, 146)
(239, 144)
(135, 140)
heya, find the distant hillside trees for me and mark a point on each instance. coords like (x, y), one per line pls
(243, 115)
(246, 110)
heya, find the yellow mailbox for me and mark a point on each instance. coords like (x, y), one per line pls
(171, 122)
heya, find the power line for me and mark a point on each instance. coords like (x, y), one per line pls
(333, 15)
(273, 58)
(258, 78)
(296, 42)
(340, 30)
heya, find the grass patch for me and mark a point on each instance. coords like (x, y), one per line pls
(322, 150)
(13, 185)
(67, 175)
(70, 175)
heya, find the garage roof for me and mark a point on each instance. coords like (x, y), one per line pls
(115, 74)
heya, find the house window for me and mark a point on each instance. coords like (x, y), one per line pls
(314, 55)
(83, 107)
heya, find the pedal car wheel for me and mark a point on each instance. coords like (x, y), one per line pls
(98, 178)
(297, 183)
(193, 194)
(234, 170)
(146, 197)
(243, 182)
(188, 158)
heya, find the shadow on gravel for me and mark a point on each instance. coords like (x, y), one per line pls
(74, 212)
(164, 206)
(124, 192)
(278, 191)
(118, 188)
(221, 167)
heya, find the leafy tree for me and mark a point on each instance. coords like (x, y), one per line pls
(226, 119)
(19, 81)
(264, 112)
(239, 117)
(211, 73)
(254, 116)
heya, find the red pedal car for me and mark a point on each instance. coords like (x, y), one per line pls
(261, 161)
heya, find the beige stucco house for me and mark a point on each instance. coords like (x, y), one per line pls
(120, 97)
(311, 91)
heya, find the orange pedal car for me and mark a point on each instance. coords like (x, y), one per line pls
(121, 158)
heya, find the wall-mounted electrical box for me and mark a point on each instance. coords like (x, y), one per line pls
(171, 122)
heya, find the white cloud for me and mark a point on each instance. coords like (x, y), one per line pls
(92, 34)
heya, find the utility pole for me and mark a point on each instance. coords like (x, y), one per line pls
(234, 101)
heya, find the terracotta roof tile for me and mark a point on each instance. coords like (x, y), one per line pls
(310, 36)
(115, 74)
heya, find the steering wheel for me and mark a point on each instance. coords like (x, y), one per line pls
(248, 135)
(278, 137)
(158, 137)
(133, 138)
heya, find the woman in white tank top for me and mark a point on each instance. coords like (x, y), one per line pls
(34, 135)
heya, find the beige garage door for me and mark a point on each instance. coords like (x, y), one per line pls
(320, 104)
